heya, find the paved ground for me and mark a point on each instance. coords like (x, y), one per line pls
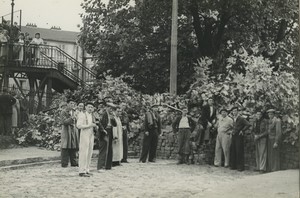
(26, 152)
(162, 179)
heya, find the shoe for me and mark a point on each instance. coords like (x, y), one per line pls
(240, 170)
(64, 166)
(83, 175)
(124, 161)
(180, 162)
(101, 171)
(90, 174)
(75, 165)
(226, 166)
(142, 161)
(152, 161)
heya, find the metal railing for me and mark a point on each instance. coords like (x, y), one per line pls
(46, 56)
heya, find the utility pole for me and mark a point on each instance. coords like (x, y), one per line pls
(173, 63)
(298, 74)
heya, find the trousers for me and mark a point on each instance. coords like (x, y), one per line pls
(261, 154)
(105, 151)
(85, 150)
(273, 156)
(67, 154)
(237, 152)
(125, 145)
(223, 143)
(149, 146)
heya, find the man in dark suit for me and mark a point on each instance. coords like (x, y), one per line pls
(106, 138)
(6, 103)
(208, 119)
(126, 129)
(184, 125)
(240, 125)
(152, 131)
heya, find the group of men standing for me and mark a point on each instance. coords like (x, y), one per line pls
(111, 125)
(231, 130)
(230, 140)
(81, 124)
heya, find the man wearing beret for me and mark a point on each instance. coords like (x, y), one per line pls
(184, 125)
(240, 125)
(223, 141)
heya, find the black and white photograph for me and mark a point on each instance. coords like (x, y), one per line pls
(149, 98)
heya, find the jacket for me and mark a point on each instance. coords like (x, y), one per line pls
(262, 129)
(69, 132)
(205, 115)
(240, 125)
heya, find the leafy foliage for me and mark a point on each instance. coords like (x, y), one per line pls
(132, 40)
(41, 130)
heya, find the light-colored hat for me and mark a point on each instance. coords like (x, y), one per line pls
(271, 111)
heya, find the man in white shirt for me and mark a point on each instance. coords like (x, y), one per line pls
(184, 125)
(86, 123)
(223, 141)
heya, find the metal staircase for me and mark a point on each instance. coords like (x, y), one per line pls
(46, 67)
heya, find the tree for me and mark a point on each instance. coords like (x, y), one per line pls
(133, 39)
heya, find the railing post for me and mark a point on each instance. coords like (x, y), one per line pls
(51, 48)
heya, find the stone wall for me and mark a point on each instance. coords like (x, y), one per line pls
(167, 149)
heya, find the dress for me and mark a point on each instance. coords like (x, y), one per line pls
(21, 51)
(36, 50)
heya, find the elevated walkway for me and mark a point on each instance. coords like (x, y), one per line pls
(46, 67)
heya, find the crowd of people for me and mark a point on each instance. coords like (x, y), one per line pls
(25, 50)
(107, 126)
(83, 124)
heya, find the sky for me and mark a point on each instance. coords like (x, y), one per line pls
(46, 13)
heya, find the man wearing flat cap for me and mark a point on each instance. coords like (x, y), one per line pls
(223, 140)
(240, 125)
(184, 125)
(152, 130)
(274, 137)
